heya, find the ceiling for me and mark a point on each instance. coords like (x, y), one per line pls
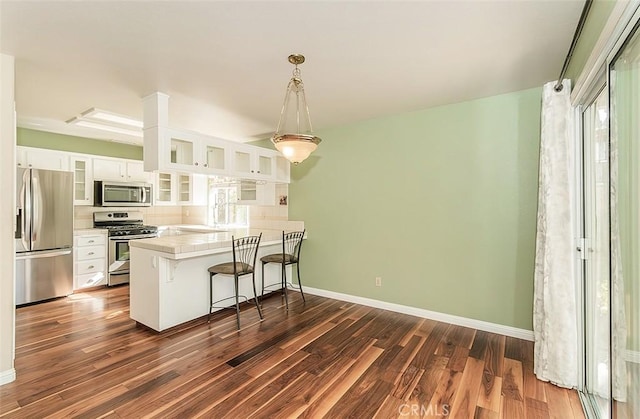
(224, 63)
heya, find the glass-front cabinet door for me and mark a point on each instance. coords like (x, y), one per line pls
(164, 189)
(184, 189)
(83, 181)
(181, 152)
(191, 153)
(215, 158)
(254, 163)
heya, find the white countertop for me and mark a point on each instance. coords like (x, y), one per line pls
(198, 244)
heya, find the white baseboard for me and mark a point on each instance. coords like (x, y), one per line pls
(630, 356)
(427, 314)
(7, 376)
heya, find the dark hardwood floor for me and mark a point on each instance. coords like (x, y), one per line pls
(82, 356)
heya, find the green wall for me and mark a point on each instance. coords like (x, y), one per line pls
(597, 18)
(41, 139)
(440, 203)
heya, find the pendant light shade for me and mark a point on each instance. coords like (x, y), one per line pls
(294, 137)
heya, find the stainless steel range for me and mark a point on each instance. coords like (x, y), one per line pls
(123, 226)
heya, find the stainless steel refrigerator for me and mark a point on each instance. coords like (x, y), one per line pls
(44, 235)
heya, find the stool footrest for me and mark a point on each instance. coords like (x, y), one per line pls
(233, 297)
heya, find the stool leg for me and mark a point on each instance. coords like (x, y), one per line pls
(210, 297)
(237, 303)
(262, 293)
(300, 281)
(255, 295)
(284, 286)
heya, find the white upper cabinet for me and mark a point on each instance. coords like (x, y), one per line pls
(251, 192)
(252, 162)
(195, 153)
(192, 189)
(119, 170)
(180, 189)
(168, 149)
(40, 158)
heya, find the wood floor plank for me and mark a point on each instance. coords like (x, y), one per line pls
(407, 383)
(458, 359)
(446, 391)
(494, 355)
(428, 349)
(82, 356)
(533, 388)
(536, 409)
(576, 406)
(482, 413)
(511, 408)
(426, 386)
(466, 398)
(398, 365)
(489, 396)
(512, 381)
(320, 407)
(558, 402)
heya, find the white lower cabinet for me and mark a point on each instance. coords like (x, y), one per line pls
(90, 259)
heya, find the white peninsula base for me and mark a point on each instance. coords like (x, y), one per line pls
(167, 289)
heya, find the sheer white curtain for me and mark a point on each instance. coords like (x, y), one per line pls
(555, 305)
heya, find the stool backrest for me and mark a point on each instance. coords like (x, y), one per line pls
(245, 250)
(292, 242)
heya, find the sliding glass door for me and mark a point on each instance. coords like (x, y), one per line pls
(624, 88)
(596, 255)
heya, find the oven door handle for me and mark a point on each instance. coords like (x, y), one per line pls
(127, 238)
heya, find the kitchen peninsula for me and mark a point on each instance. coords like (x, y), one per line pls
(169, 282)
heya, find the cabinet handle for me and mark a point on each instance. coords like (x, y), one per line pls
(91, 241)
(90, 253)
(252, 171)
(196, 163)
(206, 165)
(91, 267)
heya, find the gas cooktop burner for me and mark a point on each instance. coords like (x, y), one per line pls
(125, 223)
(131, 230)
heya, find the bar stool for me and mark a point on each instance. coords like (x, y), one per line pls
(291, 245)
(245, 251)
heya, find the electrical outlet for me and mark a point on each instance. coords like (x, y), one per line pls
(378, 281)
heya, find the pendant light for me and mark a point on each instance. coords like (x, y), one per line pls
(294, 137)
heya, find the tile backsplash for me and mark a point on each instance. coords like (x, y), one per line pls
(260, 216)
(156, 215)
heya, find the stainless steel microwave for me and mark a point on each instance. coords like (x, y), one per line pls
(122, 194)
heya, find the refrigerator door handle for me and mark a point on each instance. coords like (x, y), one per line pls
(25, 204)
(19, 229)
(46, 254)
(36, 203)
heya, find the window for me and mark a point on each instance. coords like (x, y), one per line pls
(223, 210)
